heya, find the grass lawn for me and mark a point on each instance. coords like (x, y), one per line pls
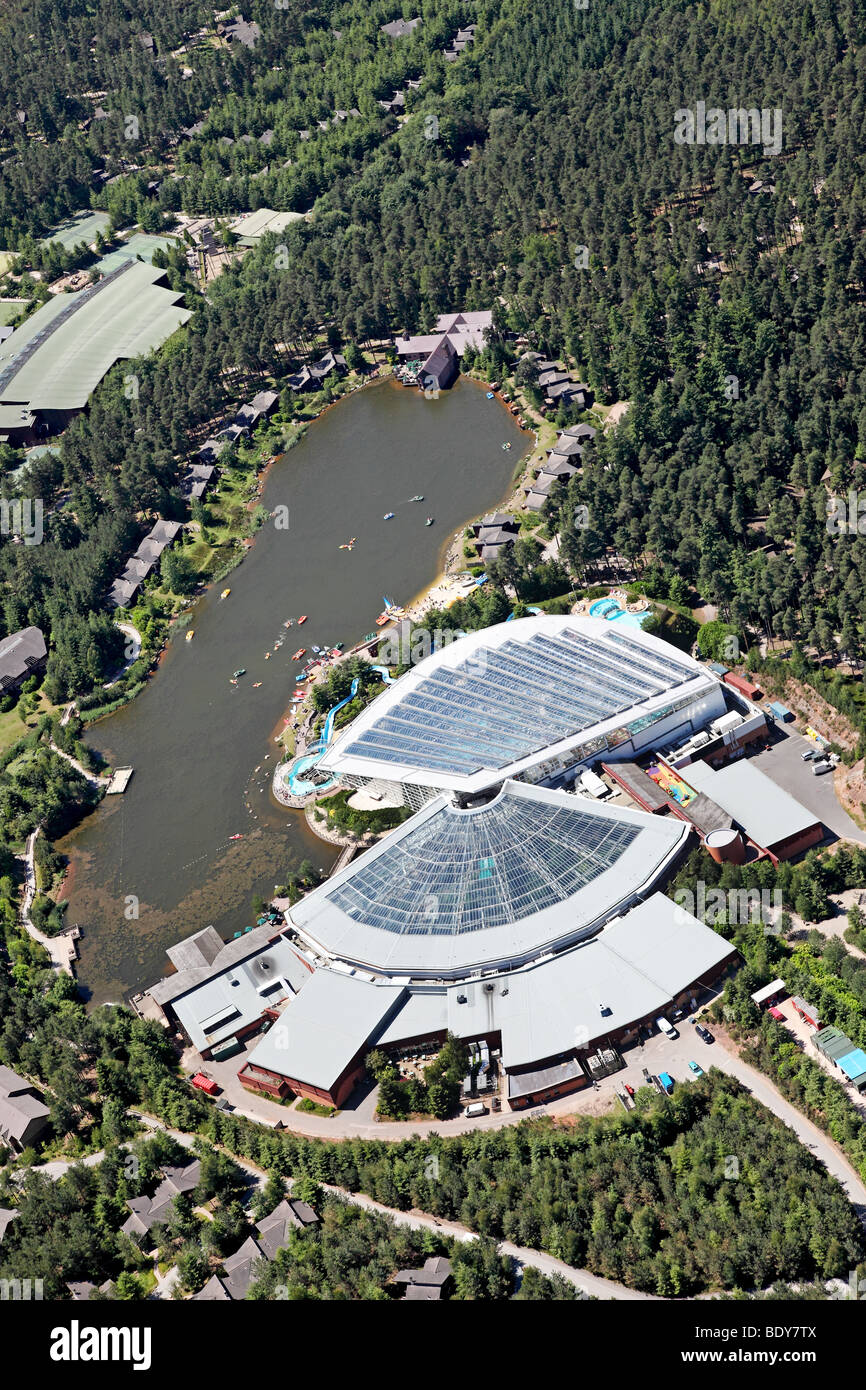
(9, 308)
(12, 728)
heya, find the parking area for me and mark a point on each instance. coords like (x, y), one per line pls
(659, 1054)
(784, 763)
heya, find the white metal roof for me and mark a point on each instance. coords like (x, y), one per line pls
(765, 811)
(633, 970)
(213, 1011)
(319, 1032)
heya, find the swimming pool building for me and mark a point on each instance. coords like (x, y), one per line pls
(531, 922)
(533, 700)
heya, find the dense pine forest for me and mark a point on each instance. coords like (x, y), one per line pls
(554, 132)
(644, 1199)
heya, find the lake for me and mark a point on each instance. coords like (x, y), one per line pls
(158, 863)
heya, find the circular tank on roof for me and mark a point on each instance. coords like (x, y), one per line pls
(726, 846)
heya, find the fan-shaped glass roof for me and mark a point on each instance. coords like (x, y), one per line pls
(465, 871)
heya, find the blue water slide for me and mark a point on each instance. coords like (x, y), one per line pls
(385, 674)
(329, 721)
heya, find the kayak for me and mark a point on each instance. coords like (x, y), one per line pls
(256, 685)
(302, 619)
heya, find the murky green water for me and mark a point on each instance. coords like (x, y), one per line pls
(195, 740)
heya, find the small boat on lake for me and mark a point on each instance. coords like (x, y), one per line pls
(256, 685)
(389, 516)
(419, 497)
(429, 521)
(296, 656)
(241, 671)
(225, 593)
(267, 656)
(236, 837)
(190, 635)
(302, 619)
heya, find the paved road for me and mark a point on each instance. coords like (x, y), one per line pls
(591, 1284)
(57, 1167)
(90, 777)
(658, 1054)
(133, 646)
(785, 765)
(662, 1054)
(580, 1278)
(61, 949)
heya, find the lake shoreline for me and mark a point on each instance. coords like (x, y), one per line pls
(195, 739)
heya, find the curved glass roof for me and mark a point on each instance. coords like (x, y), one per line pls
(465, 871)
(505, 702)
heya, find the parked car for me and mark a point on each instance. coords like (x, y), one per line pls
(808, 755)
(698, 1070)
(628, 1089)
(706, 1035)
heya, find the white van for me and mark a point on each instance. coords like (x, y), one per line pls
(667, 1028)
(473, 1111)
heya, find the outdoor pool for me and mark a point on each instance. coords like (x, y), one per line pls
(609, 608)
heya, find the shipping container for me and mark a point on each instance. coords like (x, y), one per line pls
(745, 687)
(781, 711)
